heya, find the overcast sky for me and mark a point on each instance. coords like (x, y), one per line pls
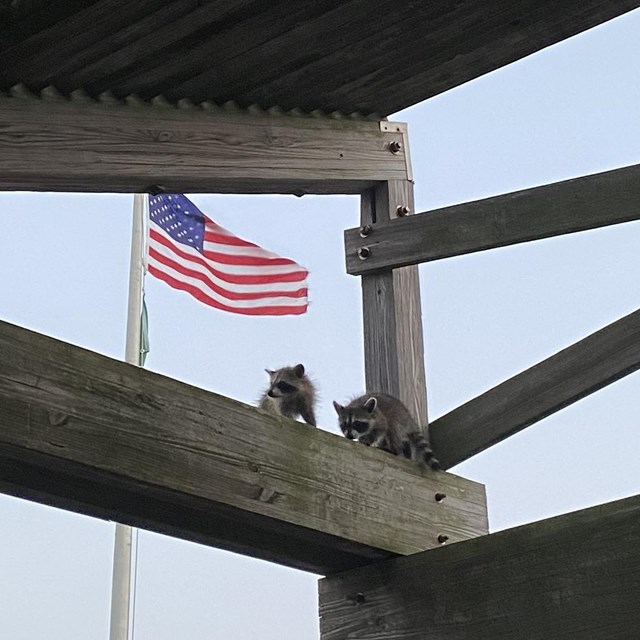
(567, 111)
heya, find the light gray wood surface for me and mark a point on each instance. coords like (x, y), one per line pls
(60, 145)
(392, 312)
(84, 432)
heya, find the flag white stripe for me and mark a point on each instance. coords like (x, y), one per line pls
(238, 304)
(231, 269)
(229, 286)
(235, 250)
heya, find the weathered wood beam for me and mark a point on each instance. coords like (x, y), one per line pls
(573, 373)
(574, 577)
(584, 203)
(62, 145)
(95, 435)
(392, 313)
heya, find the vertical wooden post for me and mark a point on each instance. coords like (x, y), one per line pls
(393, 342)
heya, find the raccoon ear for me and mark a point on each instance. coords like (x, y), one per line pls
(371, 404)
(269, 372)
(299, 370)
(337, 407)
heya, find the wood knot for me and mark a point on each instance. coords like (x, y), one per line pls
(58, 418)
(268, 495)
(357, 598)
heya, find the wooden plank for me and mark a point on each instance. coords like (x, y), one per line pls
(71, 146)
(424, 49)
(574, 205)
(392, 313)
(571, 374)
(435, 51)
(84, 432)
(39, 57)
(176, 23)
(346, 55)
(574, 577)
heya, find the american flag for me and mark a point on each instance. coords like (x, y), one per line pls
(192, 253)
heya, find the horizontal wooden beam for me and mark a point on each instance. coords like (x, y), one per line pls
(88, 433)
(67, 145)
(532, 214)
(574, 577)
(573, 373)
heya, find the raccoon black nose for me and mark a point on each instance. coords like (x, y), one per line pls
(351, 435)
(270, 393)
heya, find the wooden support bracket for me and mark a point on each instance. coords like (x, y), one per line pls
(573, 373)
(575, 577)
(532, 214)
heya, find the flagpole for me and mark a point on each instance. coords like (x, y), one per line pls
(121, 581)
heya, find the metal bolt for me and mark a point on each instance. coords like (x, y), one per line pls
(395, 146)
(402, 211)
(365, 230)
(364, 253)
(440, 497)
(442, 538)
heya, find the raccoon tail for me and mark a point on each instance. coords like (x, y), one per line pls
(424, 453)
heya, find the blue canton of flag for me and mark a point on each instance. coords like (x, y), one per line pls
(179, 218)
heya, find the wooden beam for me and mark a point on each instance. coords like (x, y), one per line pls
(584, 203)
(573, 373)
(60, 145)
(87, 433)
(574, 577)
(392, 312)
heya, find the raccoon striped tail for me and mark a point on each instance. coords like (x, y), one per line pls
(423, 452)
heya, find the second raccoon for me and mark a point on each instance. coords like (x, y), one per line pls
(291, 394)
(381, 420)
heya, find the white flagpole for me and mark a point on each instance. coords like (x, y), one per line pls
(121, 583)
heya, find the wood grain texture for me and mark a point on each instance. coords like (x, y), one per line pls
(89, 147)
(571, 374)
(347, 55)
(574, 577)
(84, 432)
(392, 312)
(574, 205)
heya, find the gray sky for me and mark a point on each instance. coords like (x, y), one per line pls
(567, 111)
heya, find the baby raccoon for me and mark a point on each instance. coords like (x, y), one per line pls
(380, 420)
(290, 394)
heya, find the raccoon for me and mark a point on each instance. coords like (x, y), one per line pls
(380, 420)
(290, 394)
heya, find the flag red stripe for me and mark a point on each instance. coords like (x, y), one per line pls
(226, 293)
(222, 238)
(253, 311)
(292, 276)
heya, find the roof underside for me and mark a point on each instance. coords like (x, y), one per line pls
(333, 55)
